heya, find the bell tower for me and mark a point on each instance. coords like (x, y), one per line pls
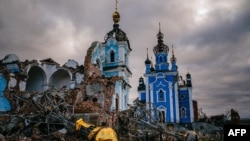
(161, 53)
(117, 52)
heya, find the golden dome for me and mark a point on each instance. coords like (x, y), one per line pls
(116, 16)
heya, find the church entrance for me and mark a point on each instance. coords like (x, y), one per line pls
(161, 116)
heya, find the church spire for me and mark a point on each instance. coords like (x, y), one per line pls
(147, 52)
(152, 66)
(148, 64)
(160, 47)
(160, 35)
(116, 32)
(147, 61)
(173, 59)
(159, 27)
(116, 3)
(116, 15)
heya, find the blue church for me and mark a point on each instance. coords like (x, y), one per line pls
(111, 58)
(163, 89)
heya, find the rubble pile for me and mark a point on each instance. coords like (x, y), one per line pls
(49, 115)
(34, 128)
(44, 98)
(137, 123)
(46, 109)
(44, 116)
(87, 107)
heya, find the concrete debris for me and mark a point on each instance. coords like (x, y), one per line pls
(42, 101)
(137, 123)
(45, 116)
(40, 109)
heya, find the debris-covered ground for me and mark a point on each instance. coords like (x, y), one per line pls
(50, 115)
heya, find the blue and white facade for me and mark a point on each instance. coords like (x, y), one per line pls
(164, 90)
(112, 58)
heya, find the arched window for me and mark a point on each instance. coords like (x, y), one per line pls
(98, 63)
(183, 112)
(161, 96)
(112, 56)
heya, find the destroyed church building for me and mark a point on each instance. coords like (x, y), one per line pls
(103, 79)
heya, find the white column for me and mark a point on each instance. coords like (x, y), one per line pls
(151, 95)
(119, 94)
(147, 92)
(191, 105)
(177, 103)
(171, 101)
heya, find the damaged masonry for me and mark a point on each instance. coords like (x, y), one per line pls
(68, 93)
(29, 90)
(43, 101)
(41, 98)
(30, 113)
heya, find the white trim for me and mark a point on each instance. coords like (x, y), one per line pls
(151, 96)
(177, 103)
(120, 95)
(171, 102)
(165, 73)
(113, 103)
(191, 105)
(160, 84)
(147, 93)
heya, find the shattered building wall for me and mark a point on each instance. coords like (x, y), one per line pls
(31, 77)
(96, 87)
(87, 88)
(106, 69)
(106, 80)
(101, 85)
(40, 76)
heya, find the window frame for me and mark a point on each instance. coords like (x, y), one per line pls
(161, 96)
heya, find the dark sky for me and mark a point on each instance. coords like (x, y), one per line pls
(211, 39)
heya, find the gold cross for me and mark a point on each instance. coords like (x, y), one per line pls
(116, 2)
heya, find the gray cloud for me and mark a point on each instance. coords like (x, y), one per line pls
(222, 62)
(211, 39)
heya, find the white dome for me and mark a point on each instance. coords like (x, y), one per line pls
(71, 63)
(10, 58)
